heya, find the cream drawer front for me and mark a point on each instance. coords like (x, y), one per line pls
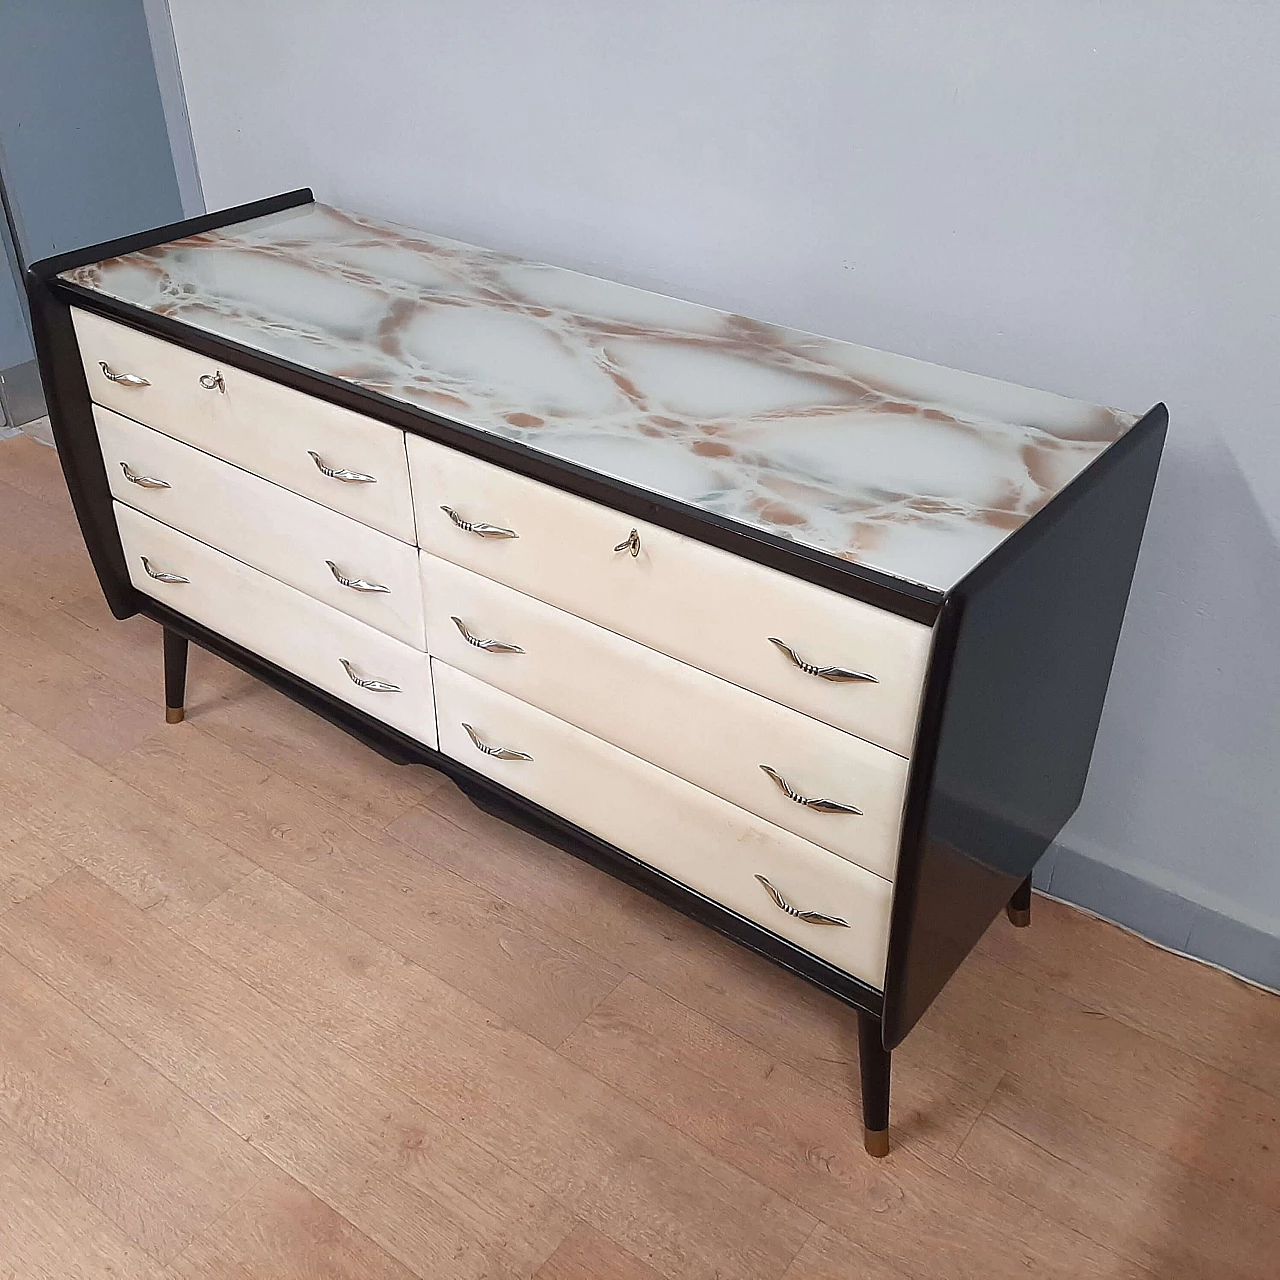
(268, 527)
(697, 838)
(704, 606)
(281, 624)
(706, 730)
(257, 424)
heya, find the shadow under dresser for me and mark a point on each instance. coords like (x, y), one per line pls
(807, 640)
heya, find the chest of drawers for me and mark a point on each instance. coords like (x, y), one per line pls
(808, 640)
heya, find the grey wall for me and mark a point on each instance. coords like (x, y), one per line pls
(82, 128)
(164, 51)
(1083, 197)
(15, 344)
(21, 396)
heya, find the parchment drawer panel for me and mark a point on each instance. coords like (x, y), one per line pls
(271, 528)
(257, 424)
(697, 838)
(681, 597)
(280, 624)
(704, 729)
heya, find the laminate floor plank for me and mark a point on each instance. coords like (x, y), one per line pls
(765, 1119)
(1123, 1079)
(34, 469)
(281, 1231)
(268, 1076)
(49, 1231)
(304, 749)
(827, 1255)
(136, 845)
(84, 709)
(448, 1208)
(285, 1086)
(84, 629)
(500, 953)
(587, 1255)
(154, 1162)
(42, 559)
(127, 652)
(639, 1181)
(1130, 1196)
(1213, 1016)
(28, 861)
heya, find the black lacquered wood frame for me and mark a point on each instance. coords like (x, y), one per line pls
(1021, 656)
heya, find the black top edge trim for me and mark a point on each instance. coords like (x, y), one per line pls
(1155, 419)
(47, 268)
(905, 599)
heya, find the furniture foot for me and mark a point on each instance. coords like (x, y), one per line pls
(873, 1060)
(1018, 908)
(175, 677)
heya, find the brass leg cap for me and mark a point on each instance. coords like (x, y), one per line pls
(876, 1142)
(1019, 917)
(174, 715)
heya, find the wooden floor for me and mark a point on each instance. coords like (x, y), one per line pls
(272, 1007)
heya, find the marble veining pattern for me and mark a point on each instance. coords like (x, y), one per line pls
(892, 463)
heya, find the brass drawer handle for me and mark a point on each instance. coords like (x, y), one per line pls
(374, 686)
(147, 482)
(356, 584)
(809, 917)
(819, 806)
(213, 382)
(498, 753)
(630, 543)
(483, 530)
(124, 379)
(838, 674)
(347, 477)
(160, 575)
(489, 646)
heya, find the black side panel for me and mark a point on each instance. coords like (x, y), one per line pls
(71, 414)
(1028, 641)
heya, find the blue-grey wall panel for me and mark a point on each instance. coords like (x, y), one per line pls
(82, 131)
(15, 345)
(15, 338)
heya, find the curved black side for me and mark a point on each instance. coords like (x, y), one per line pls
(1022, 656)
(67, 396)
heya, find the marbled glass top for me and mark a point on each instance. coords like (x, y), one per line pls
(893, 463)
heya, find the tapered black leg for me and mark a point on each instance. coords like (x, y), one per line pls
(175, 676)
(873, 1058)
(1018, 908)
